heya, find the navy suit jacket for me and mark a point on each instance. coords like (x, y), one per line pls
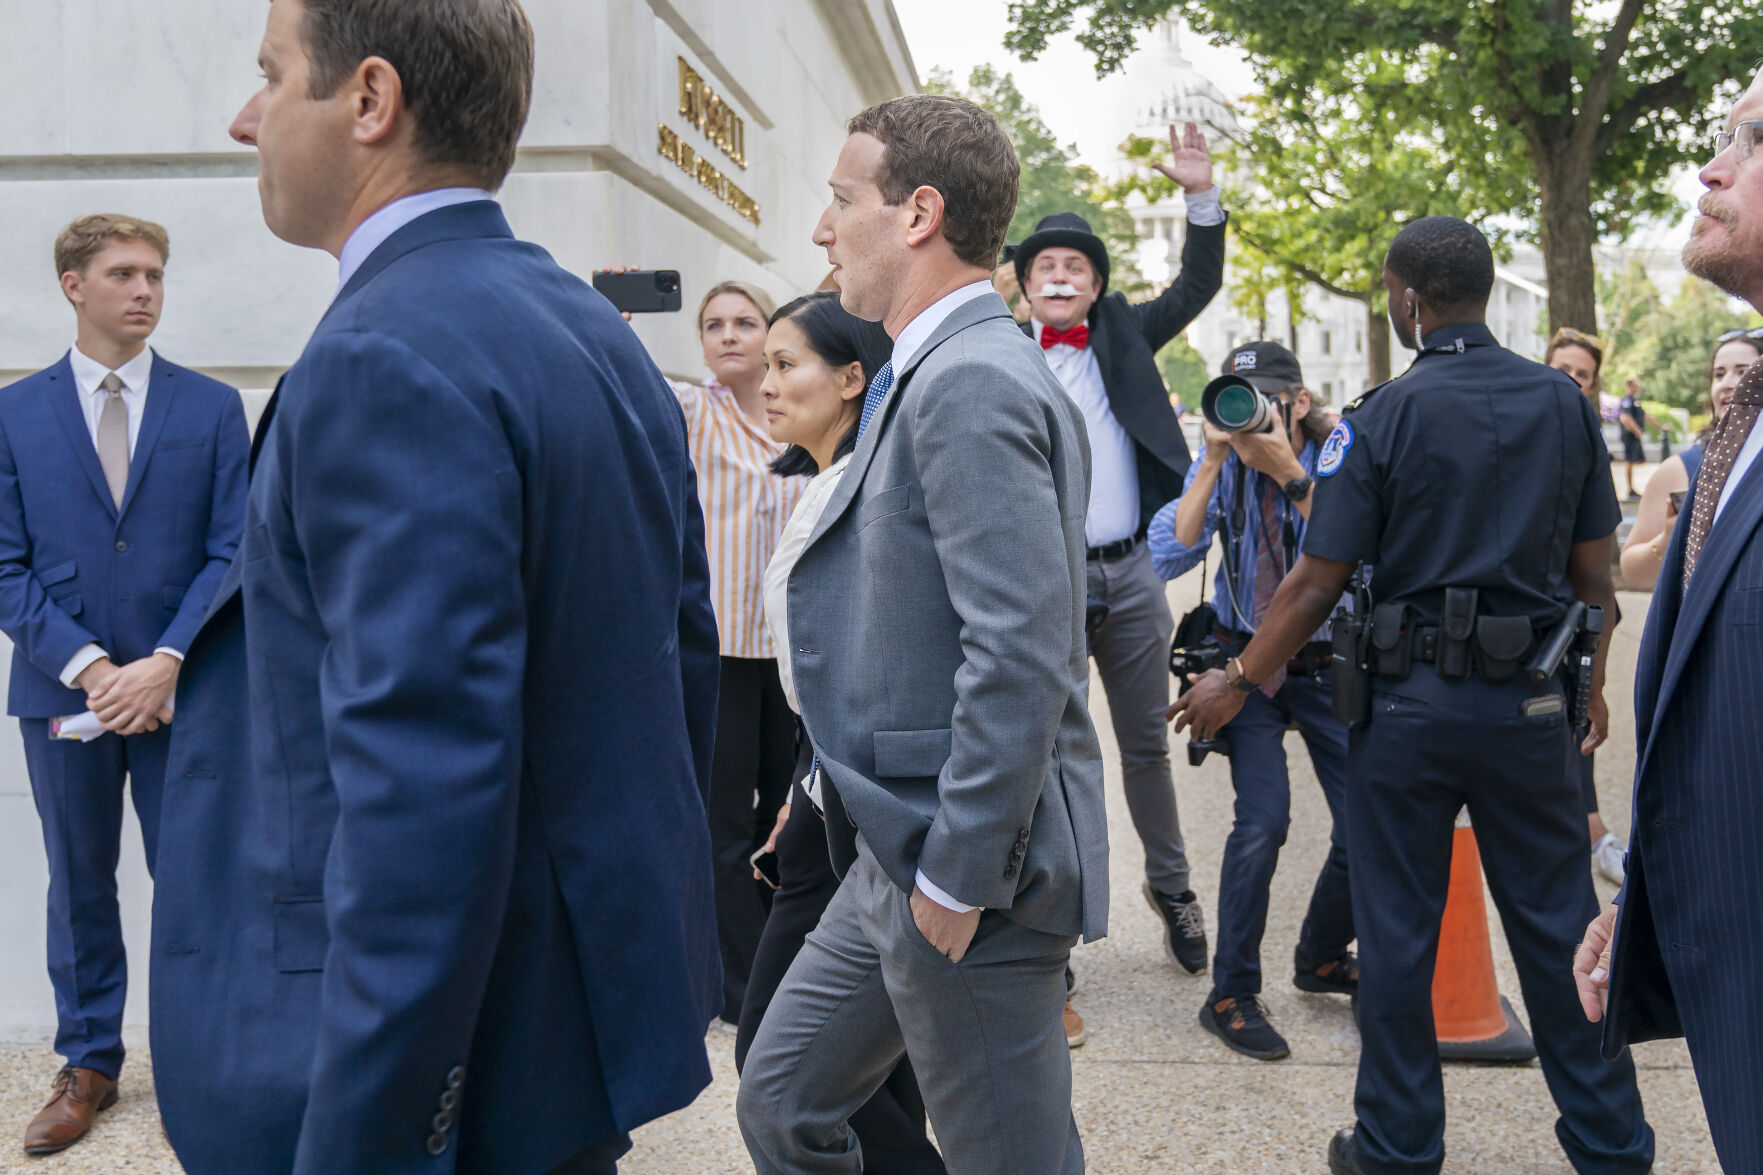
(1689, 936)
(75, 569)
(436, 875)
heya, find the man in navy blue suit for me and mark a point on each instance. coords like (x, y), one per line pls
(442, 894)
(122, 494)
(1688, 924)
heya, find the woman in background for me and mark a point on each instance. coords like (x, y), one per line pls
(1582, 356)
(820, 361)
(1644, 553)
(745, 507)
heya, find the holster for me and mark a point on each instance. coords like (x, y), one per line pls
(1456, 626)
(1392, 642)
(1501, 644)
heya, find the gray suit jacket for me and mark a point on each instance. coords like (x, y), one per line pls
(936, 625)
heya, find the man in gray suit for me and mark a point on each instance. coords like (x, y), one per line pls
(937, 643)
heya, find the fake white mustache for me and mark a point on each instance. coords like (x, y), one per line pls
(1059, 290)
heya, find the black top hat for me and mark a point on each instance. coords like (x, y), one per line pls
(1267, 365)
(1063, 230)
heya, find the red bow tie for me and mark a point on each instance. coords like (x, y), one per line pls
(1077, 336)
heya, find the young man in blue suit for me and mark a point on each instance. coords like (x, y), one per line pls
(1688, 924)
(442, 894)
(122, 494)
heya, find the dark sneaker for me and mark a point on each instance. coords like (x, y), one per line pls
(1335, 977)
(1241, 1023)
(1343, 1155)
(1185, 924)
(1070, 981)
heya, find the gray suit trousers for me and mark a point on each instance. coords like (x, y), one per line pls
(984, 1035)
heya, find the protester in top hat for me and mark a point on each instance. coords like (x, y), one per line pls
(1103, 348)
(1256, 486)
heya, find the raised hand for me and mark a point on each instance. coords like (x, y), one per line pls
(1190, 162)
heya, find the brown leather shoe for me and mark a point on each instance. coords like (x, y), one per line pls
(80, 1095)
(1074, 1027)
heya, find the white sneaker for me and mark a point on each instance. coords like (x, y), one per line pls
(1607, 857)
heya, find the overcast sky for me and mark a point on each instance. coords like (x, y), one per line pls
(960, 34)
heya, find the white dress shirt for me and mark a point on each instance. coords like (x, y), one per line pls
(1205, 208)
(88, 376)
(790, 546)
(371, 233)
(1114, 463)
(915, 334)
(1747, 456)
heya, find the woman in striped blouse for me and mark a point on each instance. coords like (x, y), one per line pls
(745, 508)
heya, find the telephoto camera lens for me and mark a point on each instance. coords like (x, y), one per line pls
(1231, 403)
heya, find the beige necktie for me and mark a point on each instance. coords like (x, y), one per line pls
(113, 438)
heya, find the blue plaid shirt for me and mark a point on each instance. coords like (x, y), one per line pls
(1172, 559)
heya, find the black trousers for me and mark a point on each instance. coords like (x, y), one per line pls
(749, 780)
(890, 1126)
(1432, 747)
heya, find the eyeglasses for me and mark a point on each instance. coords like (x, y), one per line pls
(1753, 333)
(1744, 134)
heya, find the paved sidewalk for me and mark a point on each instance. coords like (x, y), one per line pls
(1153, 1092)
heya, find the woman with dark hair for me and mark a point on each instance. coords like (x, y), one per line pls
(1644, 552)
(819, 362)
(1581, 357)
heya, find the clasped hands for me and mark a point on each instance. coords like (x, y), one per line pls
(133, 698)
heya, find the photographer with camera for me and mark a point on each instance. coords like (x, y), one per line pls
(1477, 486)
(1252, 481)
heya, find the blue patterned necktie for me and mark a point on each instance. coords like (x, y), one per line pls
(879, 387)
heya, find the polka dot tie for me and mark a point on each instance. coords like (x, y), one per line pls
(1723, 449)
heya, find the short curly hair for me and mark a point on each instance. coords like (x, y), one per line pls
(85, 238)
(950, 144)
(1445, 260)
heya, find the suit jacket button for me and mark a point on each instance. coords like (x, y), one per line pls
(1010, 873)
(449, 1099)
(456, 1077)
(437, 1143)
(121, 546)
(442, 1122)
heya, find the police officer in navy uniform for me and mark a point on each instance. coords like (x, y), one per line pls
(1477, 486)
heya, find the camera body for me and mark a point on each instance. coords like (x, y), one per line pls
(1231, 403)
(1199, 658)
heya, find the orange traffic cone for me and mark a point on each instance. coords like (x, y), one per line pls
(1473, 1020)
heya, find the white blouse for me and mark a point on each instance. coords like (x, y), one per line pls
(790, 545)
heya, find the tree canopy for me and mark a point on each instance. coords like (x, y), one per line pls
(1566, 114)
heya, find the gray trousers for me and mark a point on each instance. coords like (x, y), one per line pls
(985, 1037)
(1132, 652)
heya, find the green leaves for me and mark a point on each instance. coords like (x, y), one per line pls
(1480, 104)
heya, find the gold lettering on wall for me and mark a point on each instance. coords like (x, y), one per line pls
(712, 180)
(704, 109)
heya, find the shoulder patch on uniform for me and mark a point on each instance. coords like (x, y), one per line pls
(1334, 450)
